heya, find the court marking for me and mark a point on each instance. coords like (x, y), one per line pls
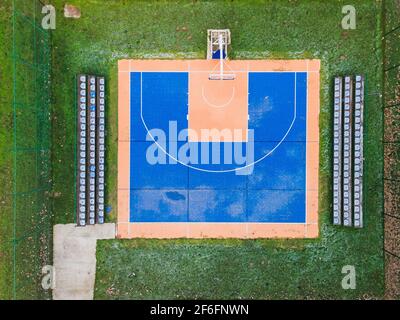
(227, 170)
(212, 105)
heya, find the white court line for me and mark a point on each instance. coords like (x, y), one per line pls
(212, 105)
(220, 171)
(234, 71)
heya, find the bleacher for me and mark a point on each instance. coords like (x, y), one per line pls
(348, 151)
(91, 146)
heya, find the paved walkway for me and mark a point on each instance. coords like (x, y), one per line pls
(74, 256)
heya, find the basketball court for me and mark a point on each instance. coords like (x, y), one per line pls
(201, 155)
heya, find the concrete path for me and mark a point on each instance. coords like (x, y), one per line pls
(74, 257)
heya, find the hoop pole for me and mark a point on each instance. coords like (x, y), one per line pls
(221, 64)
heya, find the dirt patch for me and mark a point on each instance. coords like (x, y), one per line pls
(392, 124)
(392, 276)
(392, 235)
(71, 11)
(392, 198)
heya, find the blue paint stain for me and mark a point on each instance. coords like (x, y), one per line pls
(175, 196)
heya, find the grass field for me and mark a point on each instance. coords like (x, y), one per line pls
(6, 125)
(25, 140)
(111, 30)
(229, 269)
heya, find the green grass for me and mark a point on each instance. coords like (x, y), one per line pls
(25, 228)
(274, 29)
(111, 30)
(233, 269)
(227, 269)
(6, 125)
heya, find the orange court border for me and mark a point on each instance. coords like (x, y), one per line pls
(197, 70)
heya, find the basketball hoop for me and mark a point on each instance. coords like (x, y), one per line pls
(218, 41)
(225, 76)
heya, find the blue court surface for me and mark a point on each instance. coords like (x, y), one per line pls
(183, 181)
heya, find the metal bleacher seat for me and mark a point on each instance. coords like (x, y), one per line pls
(348, 151)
